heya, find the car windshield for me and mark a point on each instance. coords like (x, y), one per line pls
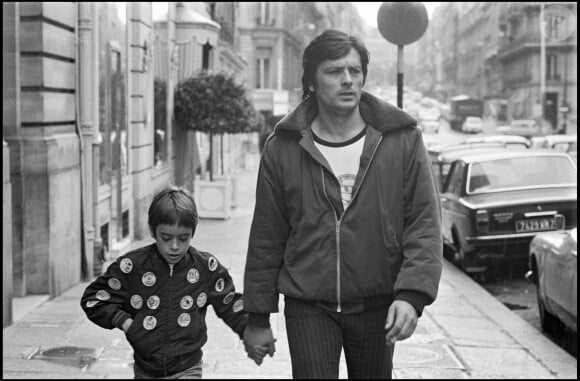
(521, 172)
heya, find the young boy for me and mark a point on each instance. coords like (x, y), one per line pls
(158, 294)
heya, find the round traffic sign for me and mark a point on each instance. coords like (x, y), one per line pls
(402, 23)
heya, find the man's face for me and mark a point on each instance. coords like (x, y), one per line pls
(172, 241)
(338, 83)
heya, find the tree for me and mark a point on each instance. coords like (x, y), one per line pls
(214, 103)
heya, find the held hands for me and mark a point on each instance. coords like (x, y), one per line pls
(258, 342)
(401, 321)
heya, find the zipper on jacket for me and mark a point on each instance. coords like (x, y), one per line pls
(339, 220)
(338, 307)
(337, 238)
(171, 265)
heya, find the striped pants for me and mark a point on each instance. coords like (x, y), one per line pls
(317, 336)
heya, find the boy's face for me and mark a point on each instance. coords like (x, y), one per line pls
(172, 241)
(339, 82)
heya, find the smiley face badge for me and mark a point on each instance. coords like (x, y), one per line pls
(212, 264)
(126, 265)
(148, 279)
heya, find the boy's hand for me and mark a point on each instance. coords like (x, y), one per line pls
(257, 353)
(127, 324)
(258, 342)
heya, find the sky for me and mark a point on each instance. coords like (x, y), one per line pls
(368, 10)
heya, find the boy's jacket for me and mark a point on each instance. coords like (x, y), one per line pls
(168, 307)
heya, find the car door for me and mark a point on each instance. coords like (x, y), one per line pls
(561, 274)
(450, 206)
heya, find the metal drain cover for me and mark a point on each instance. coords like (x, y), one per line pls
(78, 357)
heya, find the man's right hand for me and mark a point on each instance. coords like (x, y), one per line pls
(258, 342)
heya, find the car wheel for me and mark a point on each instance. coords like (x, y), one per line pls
(459, 255)
(548, 321)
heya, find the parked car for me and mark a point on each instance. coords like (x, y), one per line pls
(444, 158)
(553, 267)
(429, 125)
(493, 203)
(564, 143)
(522, 127)
(510, 141)
(472, 124)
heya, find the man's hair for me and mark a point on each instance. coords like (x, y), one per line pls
(173, 205)
(330, 45)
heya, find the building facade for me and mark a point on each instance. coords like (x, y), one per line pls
(88, 131)
(521, 64)
(273, 36)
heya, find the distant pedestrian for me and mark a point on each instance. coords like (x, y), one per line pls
(158, 294)
(347, 222)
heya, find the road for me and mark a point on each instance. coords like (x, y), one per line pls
(510, 288)
(519, 295)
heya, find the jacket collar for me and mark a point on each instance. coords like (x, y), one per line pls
(379, 114)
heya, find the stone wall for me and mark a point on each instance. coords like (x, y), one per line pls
(45, 151)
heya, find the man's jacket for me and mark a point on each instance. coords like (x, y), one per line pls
(305, 245)
(168, 306)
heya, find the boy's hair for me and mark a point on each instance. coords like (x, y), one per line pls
(330, 45)
(173, 205)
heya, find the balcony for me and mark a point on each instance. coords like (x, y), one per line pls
(519, 45)
(530, 40)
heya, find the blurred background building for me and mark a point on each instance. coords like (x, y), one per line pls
(494, 51)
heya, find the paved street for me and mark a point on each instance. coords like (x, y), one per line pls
(466, 333)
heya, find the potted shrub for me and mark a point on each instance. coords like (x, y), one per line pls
(215, 104)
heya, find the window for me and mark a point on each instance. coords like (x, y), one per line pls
(454, 179)
(552, 71)
(522, 172)
(263, 73)
(264, 17)
(206, 59)
(162, 66)
(113, 152)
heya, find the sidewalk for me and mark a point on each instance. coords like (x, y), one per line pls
(466, 333)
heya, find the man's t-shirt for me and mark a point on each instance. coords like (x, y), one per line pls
(344, 161)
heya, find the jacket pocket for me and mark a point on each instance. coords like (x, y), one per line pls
(139, 337)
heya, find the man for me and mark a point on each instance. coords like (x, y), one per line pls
(346, 225)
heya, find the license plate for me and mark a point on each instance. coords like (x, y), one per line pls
(539, 224)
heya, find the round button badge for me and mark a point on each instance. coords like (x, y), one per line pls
(228, 298)
(238, 305)
(201, 299)
(153, 302)
(192, 275)
(149, 322)
(212, 264)
(114, 283)
(148, 279)
(219, 285)
(126, 265)
(186, 302)
(103, 295)
(184, 319)
(91, 303)
(136, 302)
